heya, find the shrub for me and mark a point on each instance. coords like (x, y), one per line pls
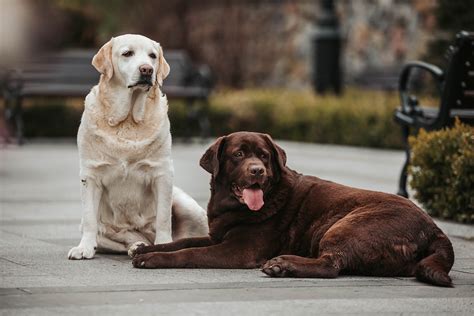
(52, 120)
(442, 171)
(359, 117)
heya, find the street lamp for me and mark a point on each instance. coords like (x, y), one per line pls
(327, 73)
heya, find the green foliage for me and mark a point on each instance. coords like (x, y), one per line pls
(359, 118)
(106, 17)
(442, 170)
(53, 120)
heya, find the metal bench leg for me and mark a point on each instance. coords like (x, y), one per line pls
(18, 117)
(402, 182)
(191, 118)
(7, 117)
(204, 124)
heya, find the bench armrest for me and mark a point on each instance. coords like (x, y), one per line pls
(435, 71)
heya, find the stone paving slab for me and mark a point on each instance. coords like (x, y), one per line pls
(40, 214)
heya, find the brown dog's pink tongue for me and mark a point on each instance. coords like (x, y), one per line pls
(253, 198)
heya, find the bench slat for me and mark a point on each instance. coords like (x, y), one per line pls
(60, 90)
(68, 90)
(70, 74)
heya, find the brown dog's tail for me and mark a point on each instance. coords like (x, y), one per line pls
(435, 267)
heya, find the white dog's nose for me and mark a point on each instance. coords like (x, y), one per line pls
(146, 70)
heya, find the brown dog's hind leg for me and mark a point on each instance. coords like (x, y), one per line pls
(434, 269)
(326, 266)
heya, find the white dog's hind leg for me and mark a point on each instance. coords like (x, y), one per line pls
(91, 193)
(191, 218)
(105, 244)
(128, 237)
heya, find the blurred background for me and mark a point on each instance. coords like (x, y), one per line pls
(305, 70)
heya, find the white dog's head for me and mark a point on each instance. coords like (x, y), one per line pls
(132, 61)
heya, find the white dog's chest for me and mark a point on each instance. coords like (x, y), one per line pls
(140, 173)
(128, 194)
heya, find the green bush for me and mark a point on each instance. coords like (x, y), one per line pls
(359, 117)
(52, 120)
(442, 171)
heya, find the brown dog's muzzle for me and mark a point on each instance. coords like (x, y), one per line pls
(249, 187)
(257, 171)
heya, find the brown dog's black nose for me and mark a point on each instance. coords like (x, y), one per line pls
(146, 70)
(256, 170)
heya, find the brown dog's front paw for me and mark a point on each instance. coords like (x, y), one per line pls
(278, 267)
(145, 261)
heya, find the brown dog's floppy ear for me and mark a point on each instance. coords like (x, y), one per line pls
(163, 67)
(102, 61)
(210, 160)
(277, 151)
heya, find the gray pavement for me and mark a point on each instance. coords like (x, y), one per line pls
(40, 213)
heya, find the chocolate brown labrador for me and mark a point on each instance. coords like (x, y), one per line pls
(263, 214)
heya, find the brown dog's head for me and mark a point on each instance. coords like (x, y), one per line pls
(246, 164)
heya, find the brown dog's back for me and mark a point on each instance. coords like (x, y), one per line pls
(380, 233)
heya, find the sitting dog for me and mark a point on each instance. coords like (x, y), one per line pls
(312, 228)
(124, 144)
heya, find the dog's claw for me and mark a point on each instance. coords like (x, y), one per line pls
(139, 261)
(274, 271)
(135, 248)
(278, 267)
(266, 271)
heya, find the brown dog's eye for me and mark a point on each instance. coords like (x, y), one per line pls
(152, 55)
(263, 156)
(238, 154)
(128, 53)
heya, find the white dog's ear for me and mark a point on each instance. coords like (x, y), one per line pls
(102, 61)
(163, 67)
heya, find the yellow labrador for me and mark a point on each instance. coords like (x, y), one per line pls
(124, 144)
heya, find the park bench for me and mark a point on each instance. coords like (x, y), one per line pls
(456, 88)
(70, 74)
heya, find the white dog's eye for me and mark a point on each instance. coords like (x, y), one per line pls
(152, 55)
(128, 53)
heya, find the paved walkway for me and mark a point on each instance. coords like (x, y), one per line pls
(40, 214)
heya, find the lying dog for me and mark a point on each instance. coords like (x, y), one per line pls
(260, 209)
(124, 144)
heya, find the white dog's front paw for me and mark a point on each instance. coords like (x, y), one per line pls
(82, 252)
(133, 248)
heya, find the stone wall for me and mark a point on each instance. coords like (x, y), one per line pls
(269, 43)
(384, 33)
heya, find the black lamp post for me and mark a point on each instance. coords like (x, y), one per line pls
(327, 73)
